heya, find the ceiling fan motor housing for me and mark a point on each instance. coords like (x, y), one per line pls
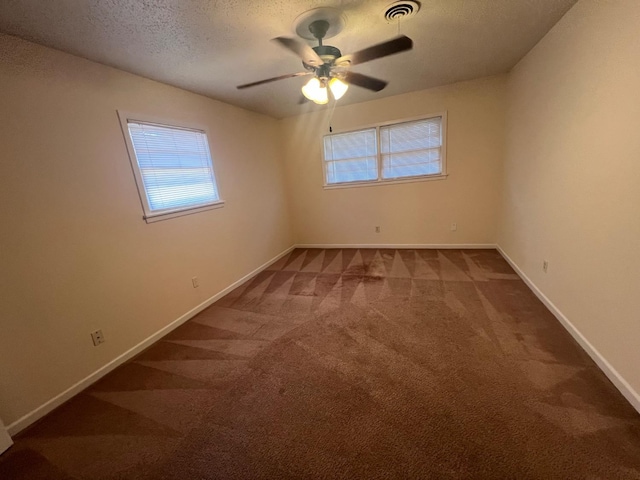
(321, 72)
(327, 53)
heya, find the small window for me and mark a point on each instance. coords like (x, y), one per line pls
(389, 152)
(411, 149)
(351, 157)
(173, 169)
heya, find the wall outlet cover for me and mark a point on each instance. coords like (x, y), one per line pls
(97, 337)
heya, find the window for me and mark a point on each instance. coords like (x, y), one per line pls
(172, 167)
(389, 152)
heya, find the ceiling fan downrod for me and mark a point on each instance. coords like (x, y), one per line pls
(319, 29)
(327, 53)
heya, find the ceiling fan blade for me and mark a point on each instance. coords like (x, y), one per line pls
(397, 45)
(364, 81)
(304, 51)
(281, 77)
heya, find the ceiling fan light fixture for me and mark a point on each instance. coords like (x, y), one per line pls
(338, 87)
(315, 91)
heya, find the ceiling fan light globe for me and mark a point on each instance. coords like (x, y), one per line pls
(338, 88)
(310, 88)
(322, 97)
(315, 91)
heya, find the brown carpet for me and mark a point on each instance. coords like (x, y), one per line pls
(350, 364)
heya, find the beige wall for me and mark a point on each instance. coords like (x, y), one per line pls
(408, 213)
(75, 253)
(572, 174)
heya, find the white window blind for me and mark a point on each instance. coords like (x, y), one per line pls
(411, 149)
(399, 151)
(174, 166)
(351, 157)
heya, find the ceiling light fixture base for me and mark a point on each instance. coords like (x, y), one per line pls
(333, 16)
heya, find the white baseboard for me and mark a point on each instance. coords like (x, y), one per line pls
(612, 374)
(399, 245)
(59, 399)
(5, 439)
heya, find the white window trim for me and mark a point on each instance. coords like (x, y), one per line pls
(381, 181)
(149, 216)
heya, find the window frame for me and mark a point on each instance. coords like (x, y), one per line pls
(388, 181)
(149, 215)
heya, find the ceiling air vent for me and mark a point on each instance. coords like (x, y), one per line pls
(401, 10)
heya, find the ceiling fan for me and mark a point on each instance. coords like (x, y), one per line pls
(330, 68)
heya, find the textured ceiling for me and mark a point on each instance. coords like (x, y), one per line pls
(210, 46)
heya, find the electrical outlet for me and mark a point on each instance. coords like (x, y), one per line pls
(97, 337)
(454, 227)
(545, 265)
(377, 229)
(195, 282)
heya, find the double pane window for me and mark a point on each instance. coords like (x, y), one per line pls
(388, 152)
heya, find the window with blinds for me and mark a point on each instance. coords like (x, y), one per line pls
(173, 168)
(351, 157)
(411, 149)
(398, 151)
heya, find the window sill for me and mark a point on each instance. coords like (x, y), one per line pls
(333, 186)
(157, 217)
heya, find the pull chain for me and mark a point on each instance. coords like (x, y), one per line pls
(333, 109)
